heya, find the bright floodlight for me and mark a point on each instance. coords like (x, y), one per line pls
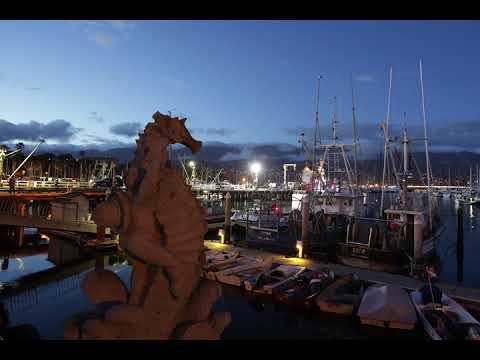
(191, 164)
(256, 168)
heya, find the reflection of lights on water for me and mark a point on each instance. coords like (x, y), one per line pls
(470, 211)
(21, 264)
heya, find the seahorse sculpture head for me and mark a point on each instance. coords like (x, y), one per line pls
(174, 130)
(151, 152)
(161, 226)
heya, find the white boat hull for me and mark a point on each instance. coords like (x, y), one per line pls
(463, 315)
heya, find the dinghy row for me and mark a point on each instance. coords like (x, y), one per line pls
(386, 306)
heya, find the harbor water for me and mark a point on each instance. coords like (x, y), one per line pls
(48, 291)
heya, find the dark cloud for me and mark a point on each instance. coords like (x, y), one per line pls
(126, 129)
(217, 152)
(96, 141)
(443, 135)
(213, 131)
(60, 130)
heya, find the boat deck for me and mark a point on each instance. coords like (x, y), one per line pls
(468, 297)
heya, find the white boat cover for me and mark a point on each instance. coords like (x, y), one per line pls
(387, 303)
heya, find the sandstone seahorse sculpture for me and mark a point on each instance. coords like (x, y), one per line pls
(161, 227)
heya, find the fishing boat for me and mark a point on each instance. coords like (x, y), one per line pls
(330, 188)
(387, 306)
(272, 231)
(404, 235)
(270, 279)
(444, 318)
(238, 262)
(341, 297)
(302, 290)
(238, 275)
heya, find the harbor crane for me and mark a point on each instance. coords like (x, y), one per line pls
(26, 159)
(4, 156)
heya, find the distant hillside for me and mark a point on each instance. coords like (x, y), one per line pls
(214, 155)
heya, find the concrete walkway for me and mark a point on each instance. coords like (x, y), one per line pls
(468, 297)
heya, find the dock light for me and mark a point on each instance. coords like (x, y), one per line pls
(244, 179)
(192, 164)
(221, 234)
(300, 249)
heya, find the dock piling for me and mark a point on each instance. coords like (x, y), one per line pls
(460, 248)
(228, 215)
(22, 211)
(305, 223)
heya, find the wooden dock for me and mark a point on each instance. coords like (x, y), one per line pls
(468, 297)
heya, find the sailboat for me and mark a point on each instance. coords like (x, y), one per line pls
(472, 195)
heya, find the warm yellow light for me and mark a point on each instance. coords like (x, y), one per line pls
(244, 179)
(300, 249)
(191, 164)
(221, 234)
(212, 244)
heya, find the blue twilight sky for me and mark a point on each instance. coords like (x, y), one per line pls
(97, 83)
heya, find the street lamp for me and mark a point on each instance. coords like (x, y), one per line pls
(255, 168)
(192, 165)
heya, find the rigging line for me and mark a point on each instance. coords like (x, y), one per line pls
(387, 139)
(426, 145)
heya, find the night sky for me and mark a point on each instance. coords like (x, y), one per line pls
(96, 83)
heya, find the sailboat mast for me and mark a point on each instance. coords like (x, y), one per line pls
(334, 121)
(355, 135)
(426, 146)
(317, 126)
(470, 179)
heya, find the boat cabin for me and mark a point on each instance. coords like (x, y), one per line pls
(339, 204)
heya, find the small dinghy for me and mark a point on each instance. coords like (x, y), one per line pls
(237, 276)
(443, 318)
(302, 290)
(342, 297)
(387, 306)
(270, 279)
(218, 257)
(240, 262)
